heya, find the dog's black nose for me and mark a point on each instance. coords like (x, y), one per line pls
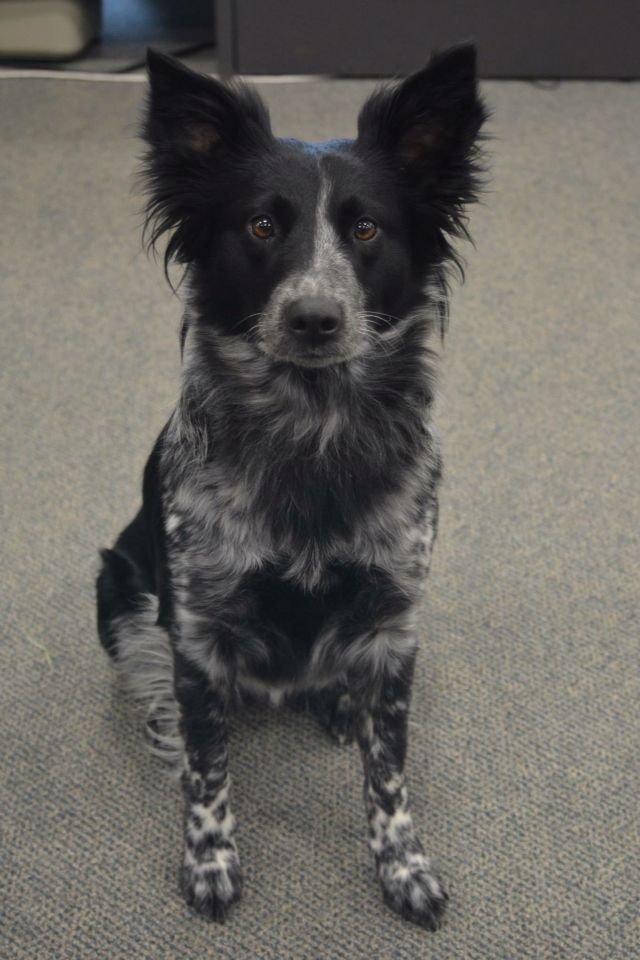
(314, 321)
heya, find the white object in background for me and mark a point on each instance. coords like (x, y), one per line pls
(47, 29)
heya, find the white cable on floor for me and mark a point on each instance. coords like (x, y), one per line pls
(137, 77)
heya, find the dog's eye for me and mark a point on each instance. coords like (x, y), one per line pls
(262, 227)
(365, 229)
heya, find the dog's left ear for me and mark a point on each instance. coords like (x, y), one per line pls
(197, 116)
(197, 129)
(427, 127)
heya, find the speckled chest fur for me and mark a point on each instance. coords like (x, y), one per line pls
(304, 543)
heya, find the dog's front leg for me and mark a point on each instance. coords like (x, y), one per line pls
(408, 884)
(211, 875)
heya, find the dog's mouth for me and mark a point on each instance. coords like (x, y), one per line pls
(311, 330)
(309, 358)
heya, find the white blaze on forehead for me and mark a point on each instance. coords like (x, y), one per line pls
(330, 270)
(327, 254)
(327, 272)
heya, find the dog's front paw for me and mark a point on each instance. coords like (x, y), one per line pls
(210, 886)
(410, 888)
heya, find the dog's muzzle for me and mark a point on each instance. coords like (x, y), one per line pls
(313, 323)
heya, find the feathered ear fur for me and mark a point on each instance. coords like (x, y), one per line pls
(197, 128)
(427, 126)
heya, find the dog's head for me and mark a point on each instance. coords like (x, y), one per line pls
(313, 254)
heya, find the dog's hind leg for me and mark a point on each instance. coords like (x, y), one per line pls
(332, 708)
(140, 649)
(125, 577)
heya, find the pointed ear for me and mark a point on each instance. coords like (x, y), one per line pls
(196, 115)
(196, 129)
(428, 126)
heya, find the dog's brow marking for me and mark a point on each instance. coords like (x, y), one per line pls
(326, 239)
(329, 267)
(329, 271)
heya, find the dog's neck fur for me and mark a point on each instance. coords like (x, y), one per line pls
(313, 450)
(368, 403)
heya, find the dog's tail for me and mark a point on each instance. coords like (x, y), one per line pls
(129, 631)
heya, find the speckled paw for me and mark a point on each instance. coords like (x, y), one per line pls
(410, 889)
(210, 887)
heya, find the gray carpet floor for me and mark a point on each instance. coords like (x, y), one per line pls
(524, 754)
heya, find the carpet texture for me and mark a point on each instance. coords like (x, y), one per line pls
(523, 763)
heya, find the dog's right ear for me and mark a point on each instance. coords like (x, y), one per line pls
(197, 129)
(428, 129)
(195, 115)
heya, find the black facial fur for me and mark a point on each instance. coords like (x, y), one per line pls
(213, 164)
(290, 504)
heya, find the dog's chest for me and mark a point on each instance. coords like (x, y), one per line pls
(223, 530)
(293, 628)
(291, 605)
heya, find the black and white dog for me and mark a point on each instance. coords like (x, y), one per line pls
(290, 503)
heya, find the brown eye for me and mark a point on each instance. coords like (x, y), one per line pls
(365, 229)
(262, 227)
